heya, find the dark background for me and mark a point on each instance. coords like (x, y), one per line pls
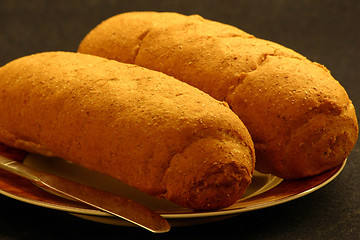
(327, 32)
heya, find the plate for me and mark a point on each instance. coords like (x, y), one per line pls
(265, 190)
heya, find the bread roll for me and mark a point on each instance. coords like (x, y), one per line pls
(300, 118)
(142, 127)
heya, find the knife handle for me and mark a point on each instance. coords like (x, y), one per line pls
(116, 205)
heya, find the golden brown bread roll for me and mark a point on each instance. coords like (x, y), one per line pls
(147, 129)
(300, 118)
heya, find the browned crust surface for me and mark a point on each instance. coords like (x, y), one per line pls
(300, 118)
(147, 129)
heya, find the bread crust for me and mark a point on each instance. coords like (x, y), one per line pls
(301, 119)
(140, 126)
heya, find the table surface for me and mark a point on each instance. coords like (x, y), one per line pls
(324, 31)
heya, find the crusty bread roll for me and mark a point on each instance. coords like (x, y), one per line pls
(147, 129)
(301, 119)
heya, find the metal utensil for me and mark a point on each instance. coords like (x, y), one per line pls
(109, 202)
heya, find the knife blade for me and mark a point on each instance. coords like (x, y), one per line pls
(111, 203)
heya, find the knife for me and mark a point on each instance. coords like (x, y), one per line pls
(111, 203)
